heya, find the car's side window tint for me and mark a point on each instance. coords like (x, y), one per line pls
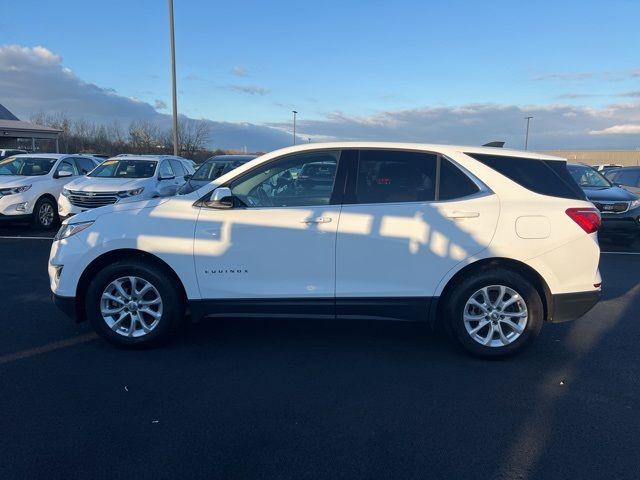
(178, 168)
(453, 182)
(630, 178)
(388, 176)
(165, 170)
(293, 181)
(84, 165)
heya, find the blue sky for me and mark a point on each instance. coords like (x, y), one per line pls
(254, 62)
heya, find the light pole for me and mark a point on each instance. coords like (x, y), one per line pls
(526, 137)
(173, 79)
(294, 126)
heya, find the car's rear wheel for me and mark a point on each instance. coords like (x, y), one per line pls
(134, 305)
(45, 214)
(494, 313)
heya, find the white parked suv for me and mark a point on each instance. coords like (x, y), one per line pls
(490, 243)
(31, 183)
(125, 178)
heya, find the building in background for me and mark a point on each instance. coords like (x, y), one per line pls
(599, 157)
(15, 133)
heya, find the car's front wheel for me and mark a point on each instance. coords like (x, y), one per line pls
(45, 214)
(494, 313)
(134, 305)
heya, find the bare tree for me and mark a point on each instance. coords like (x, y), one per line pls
(193, 135)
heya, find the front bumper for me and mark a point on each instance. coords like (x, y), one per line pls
(16, 205)
(67, 305)
(627, 223)
(571, 306)
(15, 218)
(66, 210)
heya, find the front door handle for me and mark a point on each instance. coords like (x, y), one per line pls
(456, 214)
(316, 220)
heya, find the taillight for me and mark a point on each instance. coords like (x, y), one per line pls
(587, 218)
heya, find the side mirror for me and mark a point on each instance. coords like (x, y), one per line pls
(187, 177)
(220, 198)
(63, 173)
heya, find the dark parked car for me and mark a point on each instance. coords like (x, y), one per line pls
(627, 177)
(213, 168)
(620, 209)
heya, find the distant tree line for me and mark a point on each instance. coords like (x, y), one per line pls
(140, 136)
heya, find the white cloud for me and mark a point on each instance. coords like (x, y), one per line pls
(554, 126)
(239, 71)
(625, 129)
(250, 89)
(34, 80)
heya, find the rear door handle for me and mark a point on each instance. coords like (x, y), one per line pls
(456, 214)
(316, 220)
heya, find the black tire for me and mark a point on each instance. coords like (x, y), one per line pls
(455, 305)
(173, 305)
(38, 220)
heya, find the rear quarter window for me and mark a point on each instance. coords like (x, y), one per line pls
(546, 177)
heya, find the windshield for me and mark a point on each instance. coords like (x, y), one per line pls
(587, 177)
(26, 166)
(125, 169)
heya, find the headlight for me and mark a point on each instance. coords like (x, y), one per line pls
(634, 204)
(65, 192)
(11, 191)
(130, 193)
(70, 229)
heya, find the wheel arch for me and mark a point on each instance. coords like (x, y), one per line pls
(113, 256)
(541, 286)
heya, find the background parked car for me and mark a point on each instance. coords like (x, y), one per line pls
(627, 177)
(8, 152)
(213, 168)
(126, 177)
(31, 183)
(620, 209)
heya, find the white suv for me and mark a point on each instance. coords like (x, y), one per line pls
(489, 242)
(125, 178)
(31, 183)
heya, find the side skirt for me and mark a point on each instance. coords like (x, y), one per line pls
(391, 308)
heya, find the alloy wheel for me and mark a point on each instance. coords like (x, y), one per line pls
(46, 215)
(131, 306)
(495, 316)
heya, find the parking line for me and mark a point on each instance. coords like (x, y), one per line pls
(622, 253)
(12, 357)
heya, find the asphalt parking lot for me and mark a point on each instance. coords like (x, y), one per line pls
(300, 399)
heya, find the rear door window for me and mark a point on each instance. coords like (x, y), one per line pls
(388, 176)
(454, 183)
(546, 177)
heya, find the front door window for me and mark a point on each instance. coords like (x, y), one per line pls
(295, 181)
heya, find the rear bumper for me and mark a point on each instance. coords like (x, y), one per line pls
(570, 306)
